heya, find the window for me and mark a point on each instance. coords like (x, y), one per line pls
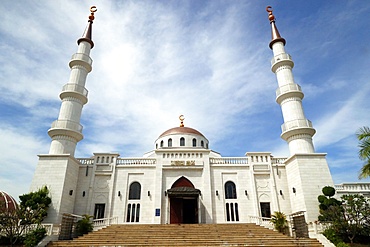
(99, 211)
(230, 190)
(202, 144)
(170, 142)
(133, 212)
(182, 141)
(194, 142)
(265, 209)
(232, 212)
(135, 190)
(161, 144)
(133, 207)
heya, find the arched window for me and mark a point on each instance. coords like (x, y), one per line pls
(202, 144)
(230, 190)
(162, 144)
(135, 191)
(182, 141)
(170, 142)
(194, 142)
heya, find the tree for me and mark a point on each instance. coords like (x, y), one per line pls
(32, 210)
(34, 206)
(84, 225)
(349, 219)
(356, 216)
(329, 206)
(363, 135)
(280, 222)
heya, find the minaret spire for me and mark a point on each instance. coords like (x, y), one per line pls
(296, 130)
(87, 35)
(275, 35)
(66, 131)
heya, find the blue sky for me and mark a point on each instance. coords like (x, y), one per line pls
(207, 60)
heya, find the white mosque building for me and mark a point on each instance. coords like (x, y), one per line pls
(182, 180)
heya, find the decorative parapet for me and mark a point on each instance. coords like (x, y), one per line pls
(278, 160)
(229, 161)
(352, 187)
(88, 161)
(136, 161)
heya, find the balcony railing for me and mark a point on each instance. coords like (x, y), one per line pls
(76, 88)
(283, 56)
(137, 161)
(83, 57)
(229, 160)
(86, 161)
(295, 124)
(287, 88)
(67, 124)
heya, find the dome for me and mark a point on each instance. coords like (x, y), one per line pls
(181, 130)
(181, 137)
(7, 202)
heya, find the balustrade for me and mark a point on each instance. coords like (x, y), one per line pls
(231, 160)
(294, 124)
(137, 161)
(67, 124)
(75, 88)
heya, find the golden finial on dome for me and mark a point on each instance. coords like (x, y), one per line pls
(181, 117)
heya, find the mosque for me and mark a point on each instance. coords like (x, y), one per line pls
(182, 180)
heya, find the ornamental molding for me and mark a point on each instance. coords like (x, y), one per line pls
(73, 99)
(291, 99)
(182, 163)
(64, 138)
(283, 67)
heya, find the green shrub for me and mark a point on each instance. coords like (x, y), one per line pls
(328, 191)
(84, 225)
(332, 236)
(280, 222)
(342, 244)
(34, 237)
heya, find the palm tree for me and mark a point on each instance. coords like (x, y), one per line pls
(280, 222)
(363, 135)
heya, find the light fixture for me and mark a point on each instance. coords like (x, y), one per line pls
(293, 190)
(246, 192)
(148, 193)
(119, 193)
(216, 192)
(281, 192)
(71, 192)
(165, 193)
(83, 193)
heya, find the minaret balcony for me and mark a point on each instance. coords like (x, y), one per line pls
(281, 60)
(288, 91)
(81, 59)
(75, 91)
(66, 128)
(295, 127)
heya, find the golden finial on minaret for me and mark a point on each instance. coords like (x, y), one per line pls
(93, 9)
(275, 35)
(181, 120)
(271, 16)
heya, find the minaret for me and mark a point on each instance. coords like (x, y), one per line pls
(59, 169)
(296, 130)
(307, 172)
(67, 130)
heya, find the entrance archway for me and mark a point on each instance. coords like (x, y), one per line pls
(183, 202)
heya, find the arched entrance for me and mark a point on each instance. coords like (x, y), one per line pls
(183, 202)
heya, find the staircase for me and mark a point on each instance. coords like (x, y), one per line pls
(186, 235)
